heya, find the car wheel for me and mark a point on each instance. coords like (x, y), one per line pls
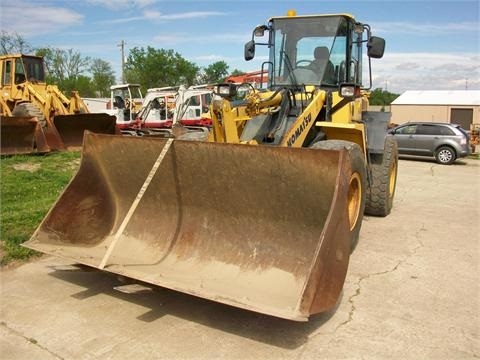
(445, 155)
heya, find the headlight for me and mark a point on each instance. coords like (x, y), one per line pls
(227, 90)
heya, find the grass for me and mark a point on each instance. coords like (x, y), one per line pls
(30, 184)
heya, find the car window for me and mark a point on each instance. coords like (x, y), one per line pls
(462, 130)
(444, 130)
(408, 129)
(428, 130)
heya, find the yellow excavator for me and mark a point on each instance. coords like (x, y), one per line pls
(265, 212)
(37, 117)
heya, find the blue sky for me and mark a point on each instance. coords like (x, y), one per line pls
(431, 45)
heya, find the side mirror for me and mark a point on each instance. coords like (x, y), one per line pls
(376, 47)
(249, 52)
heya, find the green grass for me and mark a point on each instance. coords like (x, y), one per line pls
(30, 184)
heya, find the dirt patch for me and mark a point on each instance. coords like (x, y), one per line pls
(27, 167)
(74, 164)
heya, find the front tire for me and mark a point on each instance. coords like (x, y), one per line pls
(357, 183)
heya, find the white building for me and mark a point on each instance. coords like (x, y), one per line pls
(450, 106)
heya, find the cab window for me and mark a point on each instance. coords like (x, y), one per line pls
(7, 73)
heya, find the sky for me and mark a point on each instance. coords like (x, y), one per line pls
(430, 44)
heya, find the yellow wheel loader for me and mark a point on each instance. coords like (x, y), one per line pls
(25, 95)
(265, 214)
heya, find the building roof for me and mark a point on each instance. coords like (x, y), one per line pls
(439, 97)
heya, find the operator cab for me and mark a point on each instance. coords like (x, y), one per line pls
(323, 51)
(22, 68)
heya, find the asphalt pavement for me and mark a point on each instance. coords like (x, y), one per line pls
(412, 292)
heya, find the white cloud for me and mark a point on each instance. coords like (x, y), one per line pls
(32, 19)
(192, 15)
(426, 71)
(181, 38)
(154, 15)
(122, 4)
(423, 29)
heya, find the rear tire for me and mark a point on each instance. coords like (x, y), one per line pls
(357, 183)
(445, 155)
(384, 178)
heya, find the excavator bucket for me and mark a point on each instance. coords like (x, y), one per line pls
(22, 135)
(256, 227)
(72, 127)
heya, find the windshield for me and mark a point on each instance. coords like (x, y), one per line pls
(32, 69)
(310, 51)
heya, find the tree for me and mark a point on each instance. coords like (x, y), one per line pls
(381, 97)
(237, 72)
(215, 73)
(13, 44)
(103, 76)
(64, 67)
(83, 84)
(159, 67)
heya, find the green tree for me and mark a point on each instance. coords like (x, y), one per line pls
(381, 97)
(13, 43)
(64, 68)
(83, 84)
(215, 73)
(159, 67)
(103, 76)
(237, 72)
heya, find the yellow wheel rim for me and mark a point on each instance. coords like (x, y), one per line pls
(393, 179)
(354, 199)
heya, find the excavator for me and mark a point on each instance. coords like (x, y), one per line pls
(38, 117)
(264, 212)
(256, 78)
(187, 106)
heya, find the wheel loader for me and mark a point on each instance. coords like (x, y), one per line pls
(26, 98)
(264, 214)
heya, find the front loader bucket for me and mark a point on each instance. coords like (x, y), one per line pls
(261, 228)
(72, 127)
(21, 135)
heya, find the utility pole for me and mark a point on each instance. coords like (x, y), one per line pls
(122, 46)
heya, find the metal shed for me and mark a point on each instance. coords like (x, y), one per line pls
(450, 106)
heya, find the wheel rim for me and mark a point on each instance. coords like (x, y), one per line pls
(445, 156)
(393, 179)
(354, 199)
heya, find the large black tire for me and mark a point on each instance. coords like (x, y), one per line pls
(29, 109)
(383, 181)
(358, 183)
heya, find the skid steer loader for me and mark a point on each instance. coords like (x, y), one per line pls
(265, 214)
(25, 94)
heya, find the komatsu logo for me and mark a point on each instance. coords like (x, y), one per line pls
(306, 121)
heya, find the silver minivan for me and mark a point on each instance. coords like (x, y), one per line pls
(445, 142)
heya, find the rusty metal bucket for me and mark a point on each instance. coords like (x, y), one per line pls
(256, 227)
(72, 127)
(21, 135)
